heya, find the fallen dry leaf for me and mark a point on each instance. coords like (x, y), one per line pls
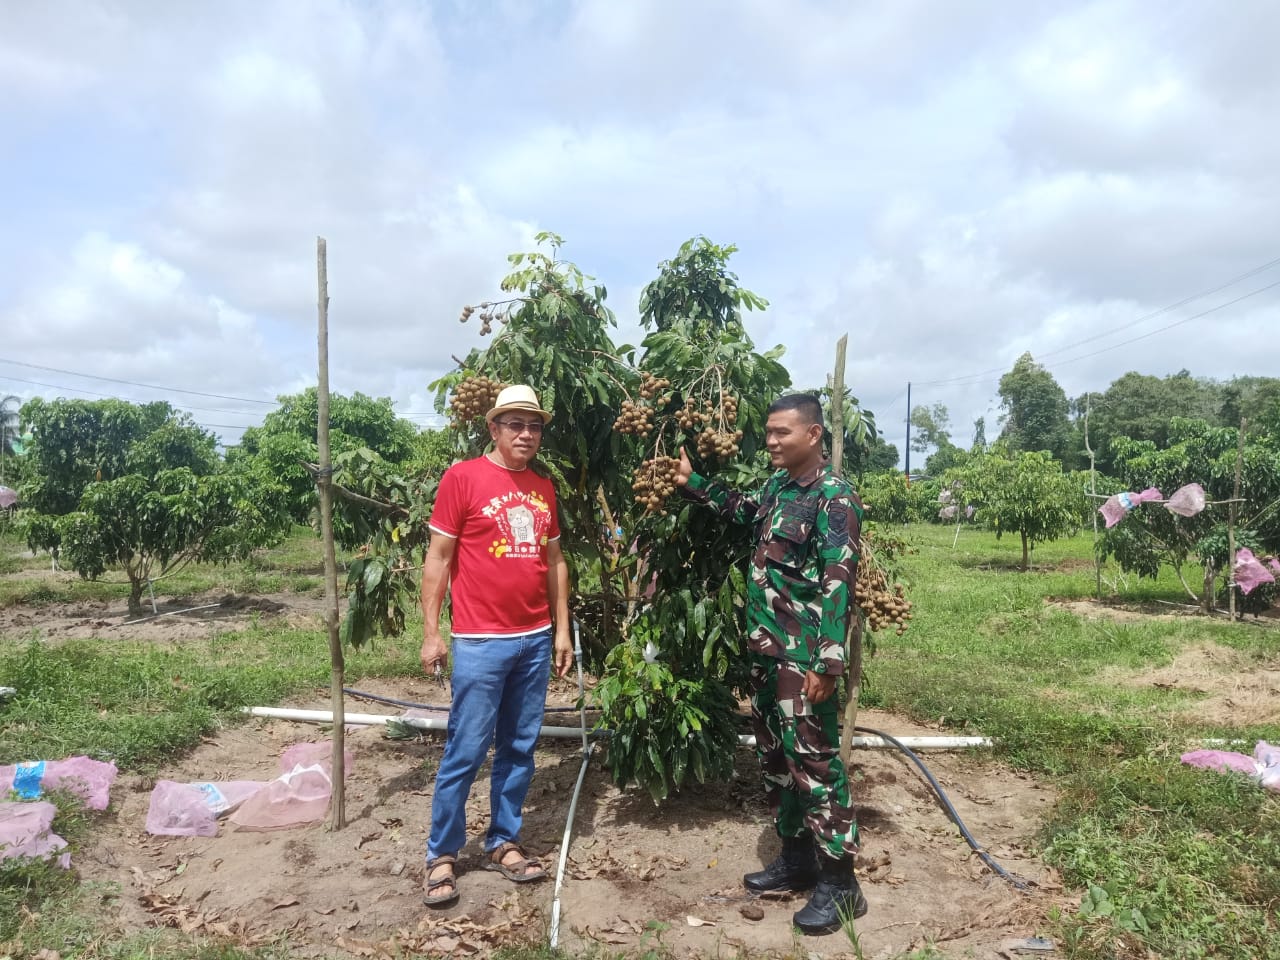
(287, 902)
(699, 922)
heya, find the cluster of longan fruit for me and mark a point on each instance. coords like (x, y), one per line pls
(653, 481)
(651, 386)
(729, 404)
(488, 313)
(718, 445)
(473, 397)
(636, 419)
(690, 417)
(884, 607)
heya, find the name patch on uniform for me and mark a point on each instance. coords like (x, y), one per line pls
(838, 525)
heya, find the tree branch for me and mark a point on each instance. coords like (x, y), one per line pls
(354, 497)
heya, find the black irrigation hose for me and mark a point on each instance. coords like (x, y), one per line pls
(1018, 882)
(360, 694)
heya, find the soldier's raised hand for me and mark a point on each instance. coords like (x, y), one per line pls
(685, 469)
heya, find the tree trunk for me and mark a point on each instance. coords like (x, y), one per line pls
(135, 595)
(1026, 557)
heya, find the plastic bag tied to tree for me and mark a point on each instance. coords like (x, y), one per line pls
(1249, 573)
(1186, 501)
(26, 831)
(1117, 507)
(299, 796)
(1263, 766)
(88, 779)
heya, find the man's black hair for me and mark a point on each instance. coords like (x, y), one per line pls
(806, 404)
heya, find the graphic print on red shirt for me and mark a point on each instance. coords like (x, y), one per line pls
(502, 520)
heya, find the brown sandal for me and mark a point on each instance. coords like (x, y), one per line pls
(442, 890)
(517, 872)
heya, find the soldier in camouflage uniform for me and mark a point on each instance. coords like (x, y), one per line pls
(799, 601)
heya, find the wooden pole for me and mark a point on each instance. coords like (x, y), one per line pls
(1093, 492)
(1231, 523)
(853, 636)
(324, 481)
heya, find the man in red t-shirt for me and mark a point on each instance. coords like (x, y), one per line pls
(495, 547)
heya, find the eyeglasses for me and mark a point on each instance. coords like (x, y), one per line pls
(520, 426)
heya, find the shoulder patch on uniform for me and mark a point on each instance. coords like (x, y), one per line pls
(837, 524)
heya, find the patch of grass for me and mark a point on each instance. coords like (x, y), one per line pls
(135, 703)
(1174, 861)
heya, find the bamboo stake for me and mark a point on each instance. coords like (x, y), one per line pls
(1093, 491)
(1231, 524)
(324, 481)
(853, 636)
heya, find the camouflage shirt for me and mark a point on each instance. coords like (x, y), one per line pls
(800, 594)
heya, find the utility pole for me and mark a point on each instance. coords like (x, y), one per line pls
(908, 470)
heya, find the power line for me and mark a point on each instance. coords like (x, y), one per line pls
(134, 383)
(112, 396)
(973, 377)
(981, 379)
(1177, 323)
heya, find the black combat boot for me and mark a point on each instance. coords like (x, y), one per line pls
(836, 895)
(796, 868)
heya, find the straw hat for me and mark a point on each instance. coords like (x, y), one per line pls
(517, 397)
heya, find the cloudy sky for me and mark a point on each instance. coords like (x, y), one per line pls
(952, 183)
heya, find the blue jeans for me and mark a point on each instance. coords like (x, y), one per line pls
(499, 696)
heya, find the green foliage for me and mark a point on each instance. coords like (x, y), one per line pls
(1035, 411)
(78, 442)
(150, 496)
(667, 731)
(1151, 537)
(287, 440)
(889, 498)
(695, 290)
(1027, 494)
(863, 444)
(687, 573)
(932, 428)
(1142, 407)
(877, 456)
(149, 528)
(388, 526)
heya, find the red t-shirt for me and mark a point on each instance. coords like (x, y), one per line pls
(502, 520)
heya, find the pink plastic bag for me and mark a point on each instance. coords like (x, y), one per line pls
(1263, 766)
(299, 796)
(26, 831)
(1187, 501)
(1248, 572)
(1268, 759)
(193, 809)
(1224, 761)
(1117, 508)
(91, 780)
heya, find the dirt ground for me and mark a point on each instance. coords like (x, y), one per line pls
(637, 875)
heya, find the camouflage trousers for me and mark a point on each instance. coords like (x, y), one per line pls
(798, 743)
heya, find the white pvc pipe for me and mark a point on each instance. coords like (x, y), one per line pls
(571, 733)
(373, 719)
(587, 748)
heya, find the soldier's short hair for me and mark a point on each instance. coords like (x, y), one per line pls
(806, 404)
